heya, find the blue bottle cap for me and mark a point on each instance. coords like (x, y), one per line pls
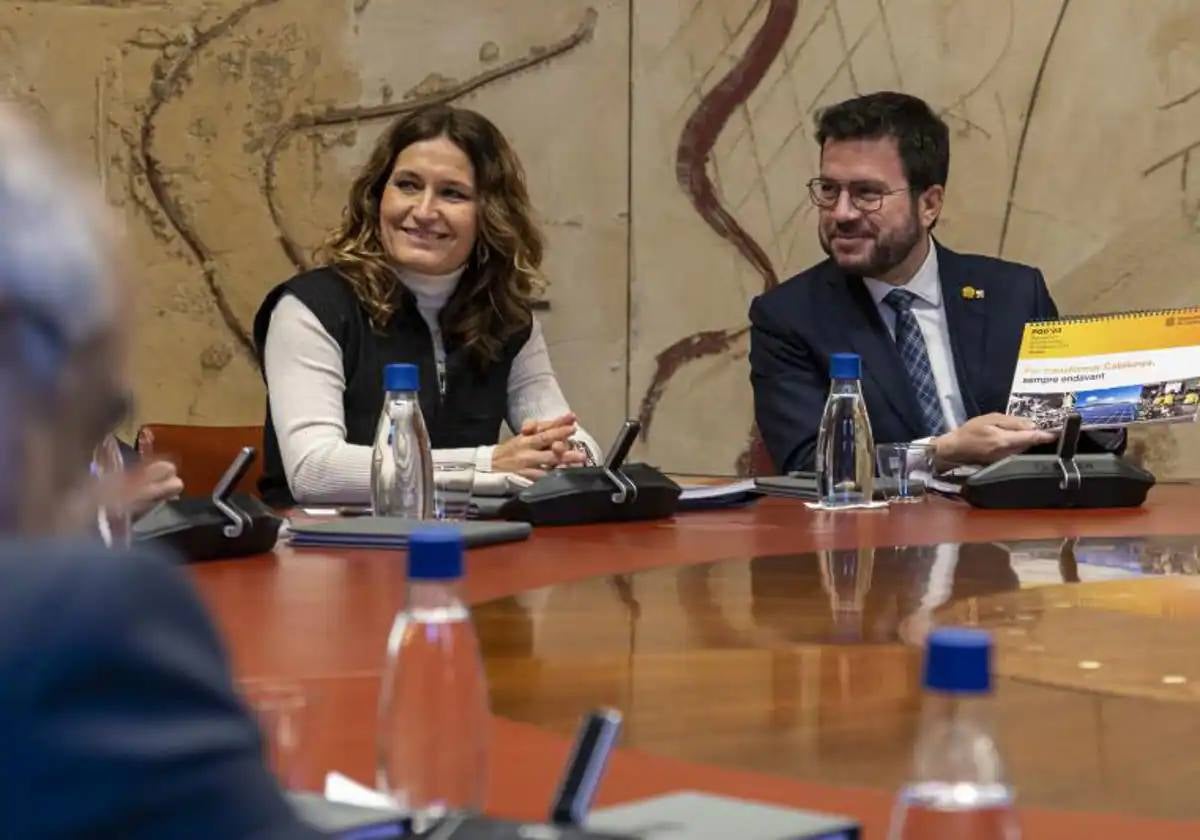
(400, 378)
(958, 660)
(845, 366)
(435, 553)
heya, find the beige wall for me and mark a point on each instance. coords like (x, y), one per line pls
(225, 135)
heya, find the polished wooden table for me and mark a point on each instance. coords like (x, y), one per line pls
(772, 653)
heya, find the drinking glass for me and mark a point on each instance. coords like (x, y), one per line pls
(904, 468)
(452, 484)
(282, 708)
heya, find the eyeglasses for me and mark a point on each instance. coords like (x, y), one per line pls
(866, 196)
(41, 338)
(45, 347)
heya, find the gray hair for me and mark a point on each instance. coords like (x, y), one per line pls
(56, 293)
(53, 259)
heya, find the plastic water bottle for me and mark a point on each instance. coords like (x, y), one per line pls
(958, 790)
(434, 721)
(402, 460)
(845, 447)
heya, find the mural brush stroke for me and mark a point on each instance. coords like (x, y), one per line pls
(692, 156)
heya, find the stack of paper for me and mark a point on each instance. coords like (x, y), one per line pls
(701, 496)
(793, 486)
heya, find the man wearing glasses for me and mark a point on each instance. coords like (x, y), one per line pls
(938, 332)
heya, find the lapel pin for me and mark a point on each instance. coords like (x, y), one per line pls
(971, 293)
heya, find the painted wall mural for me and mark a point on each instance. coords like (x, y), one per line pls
(667, 144)
(1062, 157)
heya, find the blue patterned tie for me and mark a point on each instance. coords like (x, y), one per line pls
(916, 360)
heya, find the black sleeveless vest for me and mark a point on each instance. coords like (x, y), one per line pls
(468, 414)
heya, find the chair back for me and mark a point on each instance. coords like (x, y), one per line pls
(756, 460)
(203, 453)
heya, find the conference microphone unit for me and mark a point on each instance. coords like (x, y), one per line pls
(596, 737)
(594, 740)
(1063, 480)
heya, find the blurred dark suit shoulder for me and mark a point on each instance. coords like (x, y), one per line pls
(119, 713)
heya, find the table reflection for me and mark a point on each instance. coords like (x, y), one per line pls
(831, 597)
(807, 664)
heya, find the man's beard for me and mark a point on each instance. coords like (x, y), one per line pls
(888, 250)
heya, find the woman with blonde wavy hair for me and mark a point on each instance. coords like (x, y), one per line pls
(436, 263)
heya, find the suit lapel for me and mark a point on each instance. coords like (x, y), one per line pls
(967, 320)
(871, 341)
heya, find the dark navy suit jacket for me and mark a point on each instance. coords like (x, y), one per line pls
(118, 716)
(796, 326)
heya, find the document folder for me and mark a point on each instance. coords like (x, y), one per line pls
(393, 532)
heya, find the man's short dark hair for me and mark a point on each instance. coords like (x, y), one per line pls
(921, 136)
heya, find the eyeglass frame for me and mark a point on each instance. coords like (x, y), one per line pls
(47, 347)
(844, 186)
(44, 342)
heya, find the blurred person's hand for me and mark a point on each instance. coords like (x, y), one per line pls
(150, 483)
(115, 495)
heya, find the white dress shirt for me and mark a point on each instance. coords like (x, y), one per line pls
(927, 308)
(306, 381)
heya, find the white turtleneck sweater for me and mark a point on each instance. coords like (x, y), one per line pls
(306, 381)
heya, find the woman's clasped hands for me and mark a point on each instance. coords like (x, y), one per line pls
(541, 445)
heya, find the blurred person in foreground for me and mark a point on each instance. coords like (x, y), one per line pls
(118, 715)
(437, 263)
